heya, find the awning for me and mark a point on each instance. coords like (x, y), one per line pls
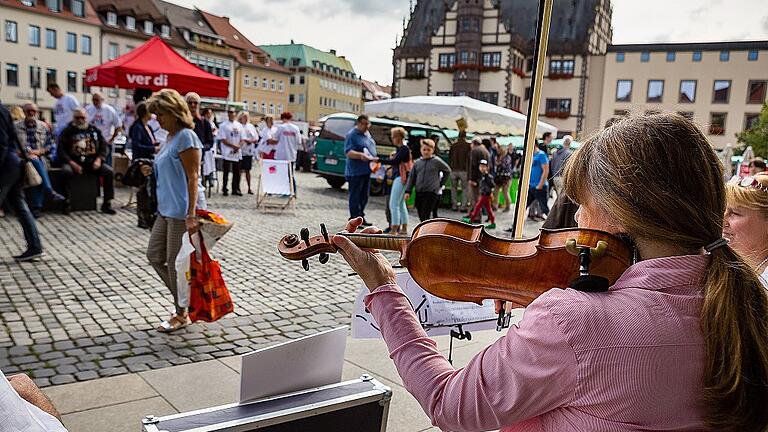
(156, 66)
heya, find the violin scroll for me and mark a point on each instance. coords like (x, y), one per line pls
(302, 246)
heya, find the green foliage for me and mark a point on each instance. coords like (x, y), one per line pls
(757, 137)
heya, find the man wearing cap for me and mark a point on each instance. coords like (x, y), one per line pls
(230, 134)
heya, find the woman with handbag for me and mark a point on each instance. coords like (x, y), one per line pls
(176, 173)
(401, 163)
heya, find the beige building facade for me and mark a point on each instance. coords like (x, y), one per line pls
(45, 42)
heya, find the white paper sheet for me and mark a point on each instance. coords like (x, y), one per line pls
(436, 315)
(18, 415)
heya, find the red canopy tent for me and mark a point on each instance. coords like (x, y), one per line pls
(156, 66)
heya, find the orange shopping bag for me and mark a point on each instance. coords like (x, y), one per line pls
(209, 297)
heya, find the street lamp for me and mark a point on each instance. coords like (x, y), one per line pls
(35, 79)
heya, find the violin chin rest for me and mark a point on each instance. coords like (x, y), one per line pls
(590, 283)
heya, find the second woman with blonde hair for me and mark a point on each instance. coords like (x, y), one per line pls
(401, 164)
(176, 172)
(746, 221)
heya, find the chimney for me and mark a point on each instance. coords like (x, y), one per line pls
(332, 51)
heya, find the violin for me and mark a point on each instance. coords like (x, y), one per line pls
(462, 262)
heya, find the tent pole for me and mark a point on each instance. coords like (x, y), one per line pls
(529, 148)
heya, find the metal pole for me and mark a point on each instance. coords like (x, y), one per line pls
(540, 54)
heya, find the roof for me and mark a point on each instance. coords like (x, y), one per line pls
(139, 9)
(66, 13)
(377, 90)
(185, 18)
(690, 46)
(307, 55)
(571, 22)
(240, 44)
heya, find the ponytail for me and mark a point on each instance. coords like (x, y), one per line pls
(734, 321)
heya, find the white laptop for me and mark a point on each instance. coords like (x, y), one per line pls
(311, 361)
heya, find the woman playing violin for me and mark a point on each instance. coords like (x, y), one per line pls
(679, 342)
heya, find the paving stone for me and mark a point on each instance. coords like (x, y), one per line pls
(86, 375)
(113, 371)
(62, 379)
(43, 373)
(24, 359)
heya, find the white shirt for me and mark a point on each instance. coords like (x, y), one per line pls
(63, 110)
(288, 140)
(16, 414)
(266, 133)
(249, 133)
(764, 278)
(104, 118)
(232, 132)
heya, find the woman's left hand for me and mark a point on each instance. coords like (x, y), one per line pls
(192, 224)
(372, 267)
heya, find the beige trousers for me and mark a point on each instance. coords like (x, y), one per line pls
(164, 245)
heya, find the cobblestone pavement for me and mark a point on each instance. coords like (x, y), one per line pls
(89, 308)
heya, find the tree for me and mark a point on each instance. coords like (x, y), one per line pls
(757, 137)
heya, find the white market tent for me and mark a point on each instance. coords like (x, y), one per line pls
(443, 111)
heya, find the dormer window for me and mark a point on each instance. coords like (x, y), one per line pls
(250, 57)
(53, 5)
(130, 23)
(78, 8)
(149, 28)
(165, 31)
(112, 19)
(186, 34)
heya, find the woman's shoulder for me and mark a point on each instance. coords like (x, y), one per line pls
(187, 138)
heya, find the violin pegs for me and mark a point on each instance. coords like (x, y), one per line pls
(324, 258)
(305, 235)
(324, 231)
(305, 264)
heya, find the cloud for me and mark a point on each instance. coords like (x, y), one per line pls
(243, 10)
(375, 8)
(765, 23)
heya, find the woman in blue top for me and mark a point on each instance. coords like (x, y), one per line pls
(177, 181)
(399, 162)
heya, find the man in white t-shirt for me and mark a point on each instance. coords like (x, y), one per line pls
(249, 140)
(63, 109)
(104, 117)
(230, 136)
(288, 139)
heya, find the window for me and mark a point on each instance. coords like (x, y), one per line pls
(655, 90)
(697, 56)
(129, 48)
(687, 91)
(756, 92)
(71, 81)
(53, 5)
(645, 56)
(444, 93)
(750, 120)
(84, 85)
(722, 91)
(78, 7)
(11, 31)
(11, 75)
(414, 70)
(34, 76)
(295, 61)
(725, 55)
(264, 83)
(245, 105)
(717, 123)
(619, 57)
(130, 23)
(446, 61)
(246, 81)
(50, 38)
(301, 79)
(112, 19)
(670, 56)
(165, 31)
(34, 36)
(468, 24)
(71, 42)
(291, 98)
(281, 86)
(273, 85)
(752, 55)
(468, 57)
(527, 93)
(280, 108)
(561, 67)
(301, 98)
(623, 90)
(85, 45)
(50, 77)
(272, 108)
(149, 28)
(492, 60)
(293, 80)
(113, 51)
(28, 2)
(558, 108)
(255, 106)
(514, 102)
(490, 97)
(529, 65)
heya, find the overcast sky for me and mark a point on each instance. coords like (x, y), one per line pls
(365, 30)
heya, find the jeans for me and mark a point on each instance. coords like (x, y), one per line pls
(12, 192)
(459, 177)
(233, 166)
(359, 188)
(425, 204)
(104, 172)
(540, 197)
(37, 193)
(397, 206)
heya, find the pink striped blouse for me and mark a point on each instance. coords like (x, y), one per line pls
(627, 359)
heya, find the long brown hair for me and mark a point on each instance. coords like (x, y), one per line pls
(659, 177)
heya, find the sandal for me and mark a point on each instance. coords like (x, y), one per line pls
(175, 323)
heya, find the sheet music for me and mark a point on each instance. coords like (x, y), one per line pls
(18, 415)
(436, 315)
